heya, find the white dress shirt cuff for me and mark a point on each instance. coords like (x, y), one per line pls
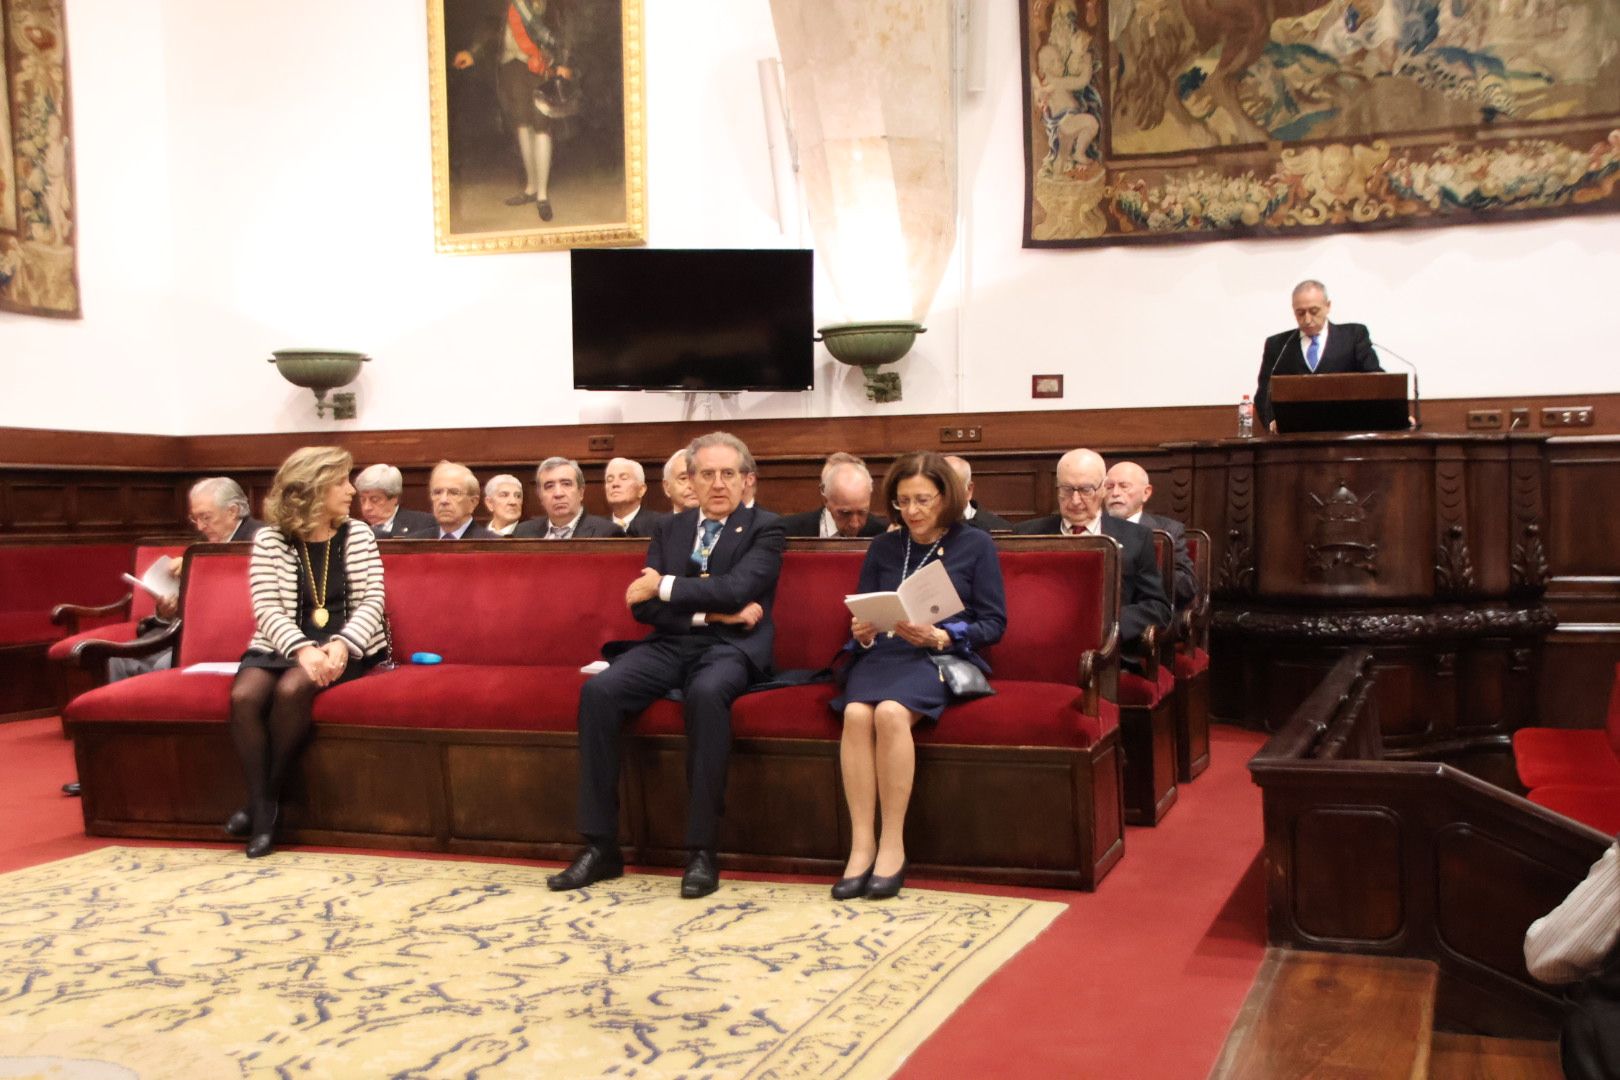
(666, 586)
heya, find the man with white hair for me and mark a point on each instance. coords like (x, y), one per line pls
(678, 487)
(219, 511)
(624, 485)
(377, 488)
(846, 503)
(503, 496)
(453, 490)
(1126, 491)
(561, 484)
(1315, 347)
(1081, 475)
(976, 515)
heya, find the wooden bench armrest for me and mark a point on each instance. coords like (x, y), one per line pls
(70, 615)
(1150, 654)
(95, 652)
(1093, 662)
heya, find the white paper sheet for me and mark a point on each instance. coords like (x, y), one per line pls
(157, 580)
(925, 598)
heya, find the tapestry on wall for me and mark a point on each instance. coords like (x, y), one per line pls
(39, 272)
(1153, 120)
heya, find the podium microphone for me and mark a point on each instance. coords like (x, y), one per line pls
(1417, 399)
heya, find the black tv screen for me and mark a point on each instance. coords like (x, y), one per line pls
(697, 320)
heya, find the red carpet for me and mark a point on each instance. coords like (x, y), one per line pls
(1140, 979)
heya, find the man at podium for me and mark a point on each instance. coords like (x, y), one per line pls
(1316, 347)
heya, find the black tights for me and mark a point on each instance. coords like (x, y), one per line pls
(270, 718)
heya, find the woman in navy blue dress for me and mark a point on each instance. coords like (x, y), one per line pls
(891, 684)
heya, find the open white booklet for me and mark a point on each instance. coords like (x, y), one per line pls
(157, 580)
(924, 598)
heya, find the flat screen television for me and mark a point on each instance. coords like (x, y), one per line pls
(702, 320)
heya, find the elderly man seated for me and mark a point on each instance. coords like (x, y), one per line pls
(377, 489)
(976, 515)
(453, 490)
(1126, 491)
(846, 502)
(624, 483)
(503, 497)
(220, 513)
(1081, 475)
(678, 487)
(561, 483)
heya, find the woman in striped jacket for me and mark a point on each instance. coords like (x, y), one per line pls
(317, 584)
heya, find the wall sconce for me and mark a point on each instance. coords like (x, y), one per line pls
(875, 129)
(321, 370)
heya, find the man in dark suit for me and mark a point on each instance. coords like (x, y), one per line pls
(706, 591)
(846, 503)
(976, 515)
(624, 486)
(1317, 347)
(377, 491)
(561, 484)
(1080, 478)
(454, 491)
(1125, 493)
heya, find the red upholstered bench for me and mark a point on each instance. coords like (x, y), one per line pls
(479, 753)
(1191, 667)
(1581, 756)
(1597, 806)
(96, 633)
(34, 576)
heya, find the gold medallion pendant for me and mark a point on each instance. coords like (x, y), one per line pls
(319, 617)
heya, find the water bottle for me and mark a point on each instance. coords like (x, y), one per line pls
(1246, 418)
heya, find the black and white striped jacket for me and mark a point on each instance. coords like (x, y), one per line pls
(273, 580)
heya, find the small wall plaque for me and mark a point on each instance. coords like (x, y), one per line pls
(1046, 386)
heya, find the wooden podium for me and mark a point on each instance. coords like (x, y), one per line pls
(1430, 549)
(1361, 401)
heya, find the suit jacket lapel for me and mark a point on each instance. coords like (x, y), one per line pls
(682, 537)
(730, 539)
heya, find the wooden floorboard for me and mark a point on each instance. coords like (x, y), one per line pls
(1333, 1016)
(1477, 1057)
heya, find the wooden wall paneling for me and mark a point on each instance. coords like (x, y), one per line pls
(101, 506)
(40, 505)
(1583, 488)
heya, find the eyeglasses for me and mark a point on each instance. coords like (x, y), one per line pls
(1066, 492)
(921, 502)
(709, 476)
(201, 520)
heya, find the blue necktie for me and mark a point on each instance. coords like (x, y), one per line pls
(700, 554)
(1313, 355)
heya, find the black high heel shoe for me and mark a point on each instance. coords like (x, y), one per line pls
(239, 823)
(264, 840)
(850, 887)
(887, 888)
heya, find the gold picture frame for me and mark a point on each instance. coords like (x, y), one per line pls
(584, 146)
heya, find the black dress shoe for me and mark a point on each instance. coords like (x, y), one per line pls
(70, 788)
(887, 888)
(239, 823)
(850, 887)
(521, 199)
(702, 877)
(589, 866)
(544, 209)
(263, 841)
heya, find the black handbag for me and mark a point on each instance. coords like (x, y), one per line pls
(961, 677)
(1589, 1045)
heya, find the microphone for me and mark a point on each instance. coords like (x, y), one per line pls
(1267, 370)
(1417, 399)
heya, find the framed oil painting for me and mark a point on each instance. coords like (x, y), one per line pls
(39, 269)
(539, 124)
(1177, 120)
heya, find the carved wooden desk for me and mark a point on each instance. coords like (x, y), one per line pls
(1428, 548)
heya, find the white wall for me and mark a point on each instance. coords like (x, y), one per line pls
(258, 176)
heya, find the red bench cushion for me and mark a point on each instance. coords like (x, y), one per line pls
(119, 631)
(157, 695)
(1138, 692)
(27, 628)
(1598, 807)
(1564, 756)
(1191, 663)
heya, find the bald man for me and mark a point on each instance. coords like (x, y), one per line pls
(1125, 492)
(846, 503)
(453, 490)
(976, 515)
(1081, 475)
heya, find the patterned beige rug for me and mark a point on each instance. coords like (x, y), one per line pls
(151, 962)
